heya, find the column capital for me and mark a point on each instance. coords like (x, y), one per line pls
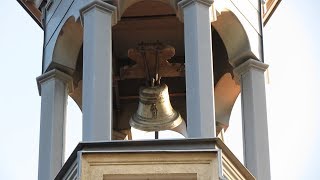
(185, 3)
(102, 6)
(54, 73)
(246, 66)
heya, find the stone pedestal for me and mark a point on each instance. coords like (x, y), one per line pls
(192, 159)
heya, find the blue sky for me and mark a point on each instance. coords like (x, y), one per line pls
(292, 48)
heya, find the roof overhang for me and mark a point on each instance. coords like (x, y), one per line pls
(269, 8)
(32, 10)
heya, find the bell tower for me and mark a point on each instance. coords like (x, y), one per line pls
(173, 67)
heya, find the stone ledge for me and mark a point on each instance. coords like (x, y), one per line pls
(183, 149)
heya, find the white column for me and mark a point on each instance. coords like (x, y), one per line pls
(53, 87)
(254, 117)
(97, 22)
(199, 68)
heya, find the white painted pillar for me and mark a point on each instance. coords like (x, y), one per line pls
(199, 68)
(97, 20)
(254, 117)
(53, 88)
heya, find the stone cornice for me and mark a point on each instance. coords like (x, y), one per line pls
(246, 66)
(54, 73)
(213, 145)
(102, 6)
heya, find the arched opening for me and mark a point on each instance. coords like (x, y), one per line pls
(150, 22)
(233, 36)
(232, 40)
(67, 46)
(77, 79)
(226, 90)
(67, 55)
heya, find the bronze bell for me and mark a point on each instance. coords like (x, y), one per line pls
(155, 112)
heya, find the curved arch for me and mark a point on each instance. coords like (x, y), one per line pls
(234, 37)
(67, 46)
(226, 92)
(124, 5)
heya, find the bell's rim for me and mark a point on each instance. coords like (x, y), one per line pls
(146, 124)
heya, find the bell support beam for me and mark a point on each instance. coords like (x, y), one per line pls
(53, 88)
(254, 117)
(199, 68)
(97, 20)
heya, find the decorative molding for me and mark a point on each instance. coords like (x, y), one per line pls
(227, 165)
(246, 66)
(103, 7)
(184, 3)
(48, 5)
(72, 173)
(54, 73)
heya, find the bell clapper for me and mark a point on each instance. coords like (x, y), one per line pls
(156, 135)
